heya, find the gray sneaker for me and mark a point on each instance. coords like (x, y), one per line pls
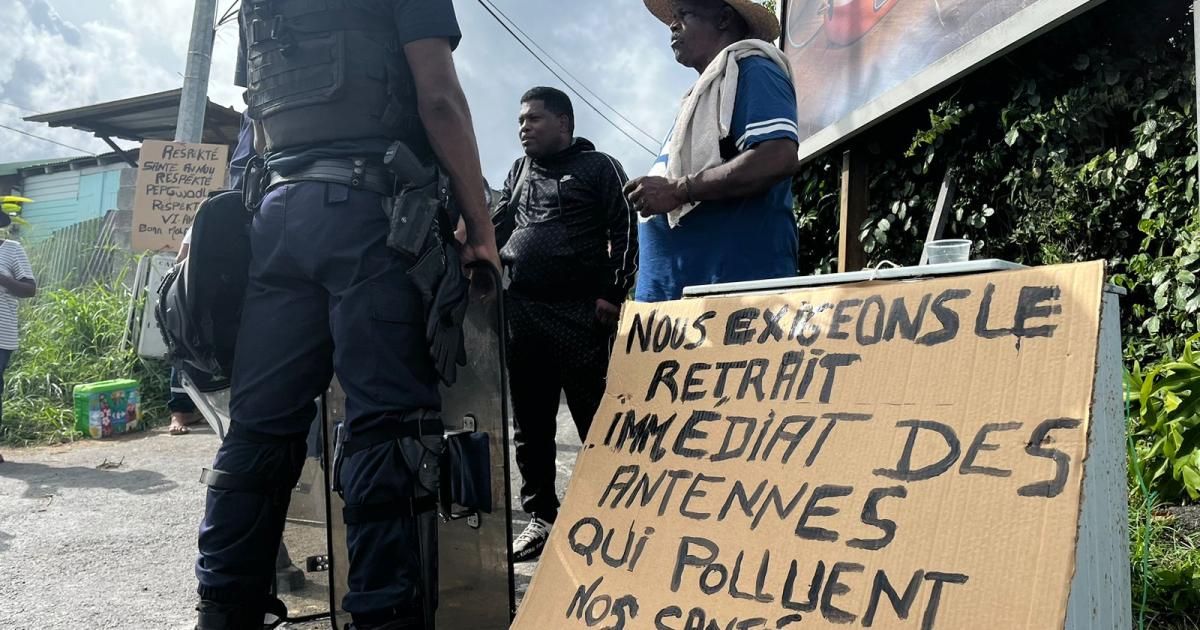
(532, 541)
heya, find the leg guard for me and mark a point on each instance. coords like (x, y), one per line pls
(391, 488)
(249, 490)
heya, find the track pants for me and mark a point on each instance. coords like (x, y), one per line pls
(554, 348)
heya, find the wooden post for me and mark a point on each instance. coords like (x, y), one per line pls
(853, 212)
(944, 201)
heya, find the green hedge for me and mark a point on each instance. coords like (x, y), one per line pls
(1079, 146)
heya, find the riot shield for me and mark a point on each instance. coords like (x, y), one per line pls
(302, 564)
(213, 406)
(476, 585)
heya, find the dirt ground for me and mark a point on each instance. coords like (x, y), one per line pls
(103, 534)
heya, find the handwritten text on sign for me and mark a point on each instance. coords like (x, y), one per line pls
(173, 179)
(903, 455)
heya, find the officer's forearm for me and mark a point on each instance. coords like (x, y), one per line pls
(447, 121)
(450, 134)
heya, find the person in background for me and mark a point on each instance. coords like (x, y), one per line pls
(571, 258)
(16, 283)
(717, 204)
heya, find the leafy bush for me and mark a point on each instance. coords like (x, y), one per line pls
(70, 337)
(1166, 424)
(1164, 466)
(1064, 153)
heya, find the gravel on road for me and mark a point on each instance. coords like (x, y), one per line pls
(102, 534)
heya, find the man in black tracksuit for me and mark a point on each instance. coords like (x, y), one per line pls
(571, 258)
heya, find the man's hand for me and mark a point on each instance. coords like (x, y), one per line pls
(655, 195)
(607, 312)
(476, 249)
(480, 248)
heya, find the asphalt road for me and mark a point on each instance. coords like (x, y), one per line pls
(103, 534)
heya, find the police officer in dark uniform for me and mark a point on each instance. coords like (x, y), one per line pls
(331, 85)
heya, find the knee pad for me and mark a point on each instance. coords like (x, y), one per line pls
(245, 463)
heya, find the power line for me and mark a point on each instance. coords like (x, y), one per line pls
(44, 139)
(20, 107)
(229, 13)
(570, 87)
(566, 70)
(496, 14)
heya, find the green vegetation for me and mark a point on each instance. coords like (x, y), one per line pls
(1069, 152)
(1063, 155)
(1166, 573)
(1164, 428)
(1164, 411)
(70, 337)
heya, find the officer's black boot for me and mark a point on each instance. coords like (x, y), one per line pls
(221, 616)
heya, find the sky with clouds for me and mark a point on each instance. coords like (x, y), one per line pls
(59, 54)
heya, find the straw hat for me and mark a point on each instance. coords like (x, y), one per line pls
(763, 23)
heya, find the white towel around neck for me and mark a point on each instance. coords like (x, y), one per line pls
(707, 113)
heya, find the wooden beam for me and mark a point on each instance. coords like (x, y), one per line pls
(853, 212)
(945, 201)
(119, 151)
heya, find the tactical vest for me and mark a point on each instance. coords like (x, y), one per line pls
(325, 70)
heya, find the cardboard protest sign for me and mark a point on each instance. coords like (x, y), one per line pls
(888, 455)
(173, 179)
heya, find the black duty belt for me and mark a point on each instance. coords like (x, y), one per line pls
(355, 173)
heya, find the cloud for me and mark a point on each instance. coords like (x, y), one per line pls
(616, 47)
(70, 54)
(121, 51)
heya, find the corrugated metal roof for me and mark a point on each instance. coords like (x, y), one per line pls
(149, 117)
(57, 163)
(12, 168)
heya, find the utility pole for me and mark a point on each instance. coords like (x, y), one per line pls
(194, 101)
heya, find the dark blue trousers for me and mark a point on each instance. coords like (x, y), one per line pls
(326, 295)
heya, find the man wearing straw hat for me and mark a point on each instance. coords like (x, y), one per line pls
(717, 203)
(16, 282)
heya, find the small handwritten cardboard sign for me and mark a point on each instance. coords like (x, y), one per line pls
(881, 455)
(173, 179)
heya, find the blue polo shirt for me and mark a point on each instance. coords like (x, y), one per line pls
(730, 240)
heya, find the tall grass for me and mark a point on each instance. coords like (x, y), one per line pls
(1166, 571)
(70, 337)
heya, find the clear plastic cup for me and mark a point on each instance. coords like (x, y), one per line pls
(948, 250)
